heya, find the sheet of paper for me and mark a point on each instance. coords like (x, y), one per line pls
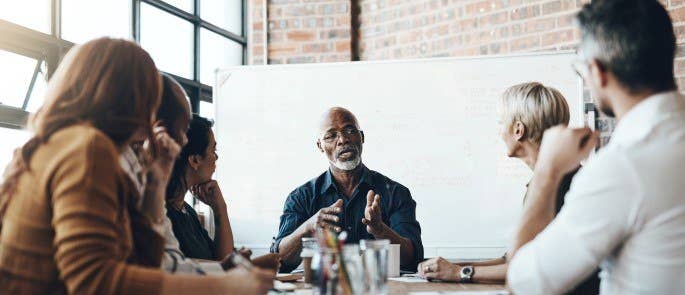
(409, 279)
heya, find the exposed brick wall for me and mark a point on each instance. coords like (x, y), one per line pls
(256, 53)
(319, 30)
(307, 31)
(393, 29)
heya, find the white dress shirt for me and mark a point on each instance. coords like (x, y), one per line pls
(625, 210)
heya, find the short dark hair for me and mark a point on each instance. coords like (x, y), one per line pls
(198, 140)
(174, 106)
(633, 39)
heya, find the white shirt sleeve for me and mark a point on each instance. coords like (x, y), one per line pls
(597, 215)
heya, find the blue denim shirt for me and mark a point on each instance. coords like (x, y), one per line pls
(398, 210)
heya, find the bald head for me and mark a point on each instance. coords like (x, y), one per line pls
(337, 117)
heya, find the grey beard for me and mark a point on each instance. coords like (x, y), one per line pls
(347, 165)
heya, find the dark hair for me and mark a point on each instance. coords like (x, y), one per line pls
(198, 140)
(174, 109)
(633, 39)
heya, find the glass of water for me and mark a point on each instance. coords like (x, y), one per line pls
(375, 259)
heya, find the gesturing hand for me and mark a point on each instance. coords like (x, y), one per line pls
(326, 218)
(372, 214)
(563, 148)
(209, 193)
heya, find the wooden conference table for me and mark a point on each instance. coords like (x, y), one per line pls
(395, 287)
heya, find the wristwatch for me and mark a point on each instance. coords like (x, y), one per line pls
(466, 272)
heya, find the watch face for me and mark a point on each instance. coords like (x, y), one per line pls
(466, 270)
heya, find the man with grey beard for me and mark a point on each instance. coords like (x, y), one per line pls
(348, 197)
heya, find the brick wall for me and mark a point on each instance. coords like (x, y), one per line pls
(393, 29)
(302, 31)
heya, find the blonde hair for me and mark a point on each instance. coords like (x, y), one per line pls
(535, 105)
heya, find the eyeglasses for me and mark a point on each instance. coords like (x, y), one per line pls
(332, 136)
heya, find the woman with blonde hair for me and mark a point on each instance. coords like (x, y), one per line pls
(526, 110)
(69, 218)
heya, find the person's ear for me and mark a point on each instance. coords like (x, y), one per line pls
(194, 162)
(519, 131)
(362, 134)
(318, 145)
(598, 73)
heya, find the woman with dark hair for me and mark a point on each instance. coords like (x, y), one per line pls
(193, 171)
(70, 218)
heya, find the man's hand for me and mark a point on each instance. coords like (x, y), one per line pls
(440, 269)
(563, 148)
(326, 218)
(372, 214)
(210, 194)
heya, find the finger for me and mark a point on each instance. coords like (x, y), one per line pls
(369, 198)
(431, 275)
(329, 217)
(589, 142)
(326, 225)
(329, 210)
(365, 221)
(206, 189)
(338, 203)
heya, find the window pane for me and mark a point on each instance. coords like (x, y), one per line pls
(207, 110)
(12, 139)
(34, 14)
(217, 51)
(15, 73)
(223, 13)
(186, 5)
(83, 20)
(168, 39)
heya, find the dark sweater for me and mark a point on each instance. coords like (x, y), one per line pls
(193, 239)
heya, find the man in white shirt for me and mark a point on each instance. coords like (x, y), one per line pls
(625, 210)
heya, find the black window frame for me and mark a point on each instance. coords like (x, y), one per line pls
(50, 48)
(196, 90)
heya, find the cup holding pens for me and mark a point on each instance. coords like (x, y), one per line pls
(338, 271)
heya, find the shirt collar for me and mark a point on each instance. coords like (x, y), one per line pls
(639, 122)
(328, 182)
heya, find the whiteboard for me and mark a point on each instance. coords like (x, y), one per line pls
(430, 124)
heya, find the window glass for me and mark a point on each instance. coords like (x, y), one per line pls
(168, 39)
(33, 14)
(83, 20)
(12, 139)
(226, 14)
(217, 51)
(186, 5)
(15, 73)
(207, 110)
